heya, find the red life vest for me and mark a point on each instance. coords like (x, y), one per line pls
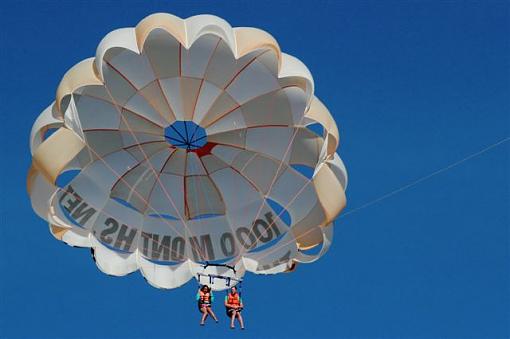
(205, 298)
(234, 300)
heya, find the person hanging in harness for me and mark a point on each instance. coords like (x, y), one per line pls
(205, 299)
(234, 306)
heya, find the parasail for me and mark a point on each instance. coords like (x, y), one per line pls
(185, 147)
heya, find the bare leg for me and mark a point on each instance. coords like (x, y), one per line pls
(204, 315)
(234, 312)
(212, 314)
(240, 318)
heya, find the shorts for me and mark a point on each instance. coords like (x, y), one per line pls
(200, 306)
(230, 310)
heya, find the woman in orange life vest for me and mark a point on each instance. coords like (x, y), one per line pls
(234, 305)
(205, 298)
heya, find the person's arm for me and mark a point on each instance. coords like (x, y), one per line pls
(198, 295)
(226, 302)
(212, 297)
(241, 302)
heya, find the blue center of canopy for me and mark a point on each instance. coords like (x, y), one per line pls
(185, 134)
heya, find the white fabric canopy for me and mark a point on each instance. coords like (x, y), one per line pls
(253, 179)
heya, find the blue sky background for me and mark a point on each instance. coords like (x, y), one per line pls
(413, 85)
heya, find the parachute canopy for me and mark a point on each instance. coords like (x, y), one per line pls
(188, 141)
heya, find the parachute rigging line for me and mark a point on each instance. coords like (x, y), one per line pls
(417, 181)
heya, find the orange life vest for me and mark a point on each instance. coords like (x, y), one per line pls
(205, 298)
(234, 300)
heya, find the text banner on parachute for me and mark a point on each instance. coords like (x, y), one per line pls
(213, 239)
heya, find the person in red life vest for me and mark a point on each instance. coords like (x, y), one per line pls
(205, 299)
(234, 305)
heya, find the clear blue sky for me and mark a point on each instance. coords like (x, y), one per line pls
(413, 85)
